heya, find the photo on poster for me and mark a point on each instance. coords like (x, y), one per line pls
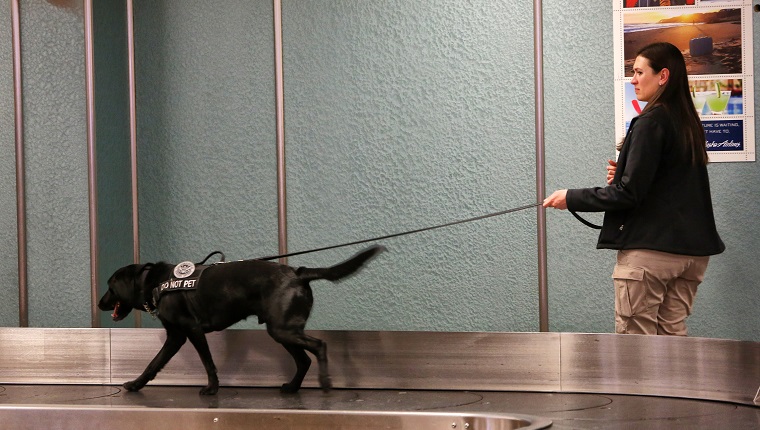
(710, 40)
(704, 94)
(657, 3)
(633, 106)
(717, 96)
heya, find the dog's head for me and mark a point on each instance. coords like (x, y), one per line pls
(125, 291)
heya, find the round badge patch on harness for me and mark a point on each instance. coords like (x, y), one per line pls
(184, 269)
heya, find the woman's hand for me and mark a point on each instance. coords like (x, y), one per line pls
(557, 200)
(611, 171)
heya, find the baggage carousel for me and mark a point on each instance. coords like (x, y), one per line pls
(71, 378)
(77, 407)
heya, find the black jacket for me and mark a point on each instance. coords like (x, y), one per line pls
(658, 199)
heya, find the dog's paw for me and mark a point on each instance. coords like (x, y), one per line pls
(325, 383)
(209, 390)
(289, 388)
(133, 386)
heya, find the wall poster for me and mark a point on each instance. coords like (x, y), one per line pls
(715, 37)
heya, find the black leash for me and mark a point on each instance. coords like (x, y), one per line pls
(587, 223)
(221, 256)
(477, 218)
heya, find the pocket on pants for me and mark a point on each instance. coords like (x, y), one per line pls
(623, 278)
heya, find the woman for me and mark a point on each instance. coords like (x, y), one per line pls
(658, 210)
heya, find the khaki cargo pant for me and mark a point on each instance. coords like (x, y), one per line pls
(654, 291)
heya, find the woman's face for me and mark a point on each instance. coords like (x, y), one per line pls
(645, 81)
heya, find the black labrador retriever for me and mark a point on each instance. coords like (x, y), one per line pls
(191, 302)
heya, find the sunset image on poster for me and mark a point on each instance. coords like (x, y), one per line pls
(710, 40)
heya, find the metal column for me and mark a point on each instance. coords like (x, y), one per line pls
(282, 218)
(133, 139)
(538, 64)
(89, 65)
(23, 295)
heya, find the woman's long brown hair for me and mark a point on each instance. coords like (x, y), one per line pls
(676, 98)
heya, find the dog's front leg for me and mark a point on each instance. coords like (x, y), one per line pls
(198, 339)
(174, 341)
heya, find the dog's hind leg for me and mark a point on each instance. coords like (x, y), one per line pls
(174, 341)
(198, 339)
(295, 341)
(303, 362)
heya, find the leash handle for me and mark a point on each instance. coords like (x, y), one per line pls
(587, 223)
(221, 258)
(477, 218)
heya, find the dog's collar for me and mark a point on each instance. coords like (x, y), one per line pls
(153, 312)
(149, 305)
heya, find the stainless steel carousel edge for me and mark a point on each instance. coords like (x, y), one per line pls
(695, 368)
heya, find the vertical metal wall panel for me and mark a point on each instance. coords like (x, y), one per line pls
(242, 357)
(361, 359)
(55, 356)
(661, 365)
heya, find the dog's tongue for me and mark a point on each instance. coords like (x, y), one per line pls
(115, 313)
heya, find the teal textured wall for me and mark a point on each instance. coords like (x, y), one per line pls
(206, 129)
(580, 137)
(56, 165)
(399, 115)
(402, 115)
(8, 239)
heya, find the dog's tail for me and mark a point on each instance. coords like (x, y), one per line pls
(340, 270)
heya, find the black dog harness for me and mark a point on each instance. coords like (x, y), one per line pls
(186, 277)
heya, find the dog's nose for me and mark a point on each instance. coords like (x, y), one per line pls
(103, 303)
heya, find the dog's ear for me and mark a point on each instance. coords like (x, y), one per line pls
(142, 273)
(123, 283)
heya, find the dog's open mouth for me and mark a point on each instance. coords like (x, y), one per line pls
(115, 315)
